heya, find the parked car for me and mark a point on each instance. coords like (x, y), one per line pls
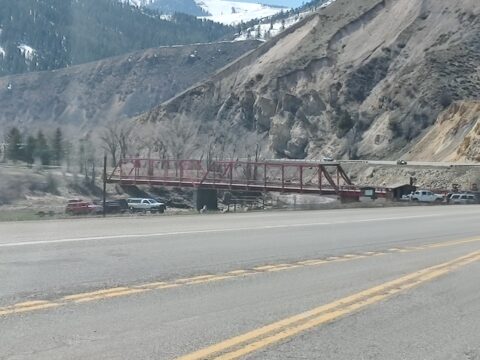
(116, 206)
(145, 204)
(426, 196)
(80, 207)
(463, 199)
(111, 206)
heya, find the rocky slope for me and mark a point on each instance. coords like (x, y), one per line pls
(91, 94)
(436, 178)
(360, 78)
(455, 136)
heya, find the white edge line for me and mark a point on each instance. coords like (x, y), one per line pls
(266, 227)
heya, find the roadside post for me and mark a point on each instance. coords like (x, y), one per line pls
(104, 210)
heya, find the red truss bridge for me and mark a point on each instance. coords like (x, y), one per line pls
(287, 176)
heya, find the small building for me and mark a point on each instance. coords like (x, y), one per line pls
(368, 193)
(396, 191)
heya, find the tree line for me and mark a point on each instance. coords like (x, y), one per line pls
(47, 149)
(178, 138)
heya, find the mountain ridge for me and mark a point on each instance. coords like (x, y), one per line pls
(51, 34)
(88, 96)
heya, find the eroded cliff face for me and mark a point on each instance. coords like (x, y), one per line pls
(455, 136)
(360, 78)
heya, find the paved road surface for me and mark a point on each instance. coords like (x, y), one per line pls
(397, 283)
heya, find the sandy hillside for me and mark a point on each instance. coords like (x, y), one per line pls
(455, 136)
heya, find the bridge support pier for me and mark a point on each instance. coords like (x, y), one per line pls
(205, 197)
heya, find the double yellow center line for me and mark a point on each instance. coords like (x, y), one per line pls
(207, 278)
(249, 342)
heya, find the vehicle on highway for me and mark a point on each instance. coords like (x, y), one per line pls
(328, 159)
(145, 204)
(425, 196)
(401, 162)
(463, 199)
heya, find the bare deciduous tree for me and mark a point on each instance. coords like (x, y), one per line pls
(147, 139)
(180, 137)
(116, 138)
(109, 140)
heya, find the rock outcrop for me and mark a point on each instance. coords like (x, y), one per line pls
(455, 136)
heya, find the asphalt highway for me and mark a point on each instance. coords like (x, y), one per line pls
(392, 283)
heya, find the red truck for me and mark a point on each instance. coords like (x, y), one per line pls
(80, 207)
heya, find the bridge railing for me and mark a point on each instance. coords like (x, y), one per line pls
(269, 176)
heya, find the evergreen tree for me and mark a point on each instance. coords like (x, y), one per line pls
(58, 147)
(42, 149)
(14, 145)
(30, 149)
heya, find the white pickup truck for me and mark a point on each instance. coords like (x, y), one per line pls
(425, 196)
(144, 205)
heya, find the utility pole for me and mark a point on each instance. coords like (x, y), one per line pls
(104, 184)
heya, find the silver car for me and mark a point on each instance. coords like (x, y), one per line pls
(463, 199)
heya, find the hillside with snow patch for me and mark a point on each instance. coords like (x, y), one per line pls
(234, 12)
(269, 27)
(222, 11)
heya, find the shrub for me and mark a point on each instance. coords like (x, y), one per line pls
(446, 99)
(395, 127)
(51, 185)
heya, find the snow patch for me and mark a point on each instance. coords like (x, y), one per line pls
(27, 51)
(228, 12)
(266, 29)
(234, 12)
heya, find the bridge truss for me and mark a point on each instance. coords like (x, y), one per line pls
(285, 176)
